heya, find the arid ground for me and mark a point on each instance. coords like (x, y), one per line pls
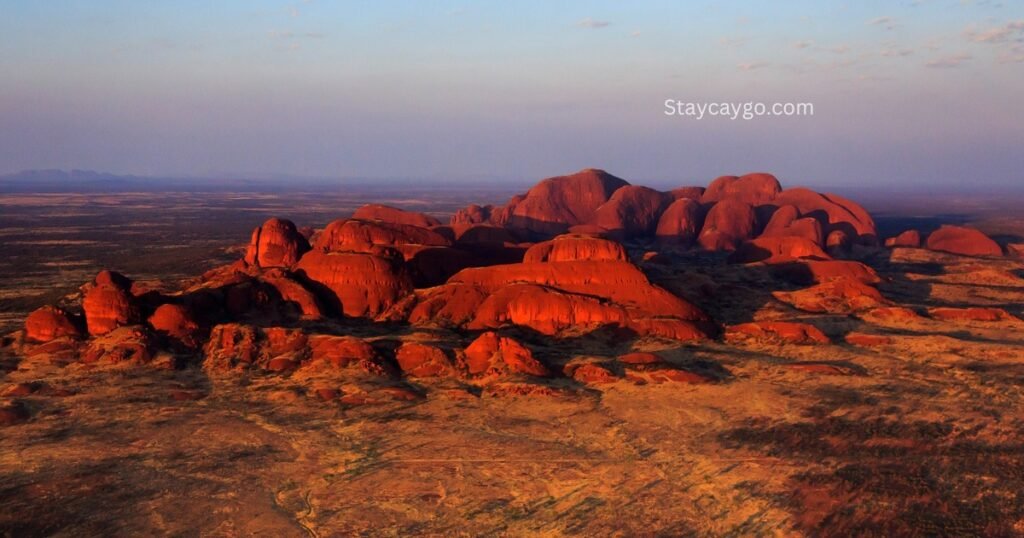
(914, 426)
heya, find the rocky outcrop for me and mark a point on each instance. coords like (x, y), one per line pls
(728, 224)
(277, 243)
(356, 284)
(108, 303)
(754, 189)
(833, 212)
(632, 211)
(568, 248)
(556, 203)
(963, 241)
(680, 223)
(491, 354)
(908, 238)
(472, 214)
(49, 323)
(394, 215)
(363, 236)
(177, 322)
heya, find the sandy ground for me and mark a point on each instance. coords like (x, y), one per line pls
(923, 435)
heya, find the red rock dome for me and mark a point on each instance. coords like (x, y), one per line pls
(632, 211)
(108, 303)
(48, 323)
(394, 215)
(556, 203)
(963, 241)
(729, 223)
(277, 243)
(356, 284)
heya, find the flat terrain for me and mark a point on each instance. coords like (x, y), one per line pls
(921, 434)
(54, 242)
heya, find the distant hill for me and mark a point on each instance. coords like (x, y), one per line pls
(44, 181)
(68, 181)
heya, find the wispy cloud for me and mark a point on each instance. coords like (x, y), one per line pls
(949, 61)
(1011, 31)
(750, 66)
(840, 49)
(803, 44)
(885, 22)
(590, 22)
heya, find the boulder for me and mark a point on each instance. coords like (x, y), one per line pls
(632, 211)
(680, 223)
(131, 345)
(108, 303)
(728, 223)
(340, 351)
(49, 323)
(556, 203)
(786, 222)
(177, 322)
(423, 360)
(963, 241)
(230, 346)
(277, 243)
(394, 215)
(491, 354)
(908, 238)
(355, 284)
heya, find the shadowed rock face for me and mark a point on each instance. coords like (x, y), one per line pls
(557, 203)
(681, 223)
(632, 211)
(729, 223)
(108, 303)
(963, 241)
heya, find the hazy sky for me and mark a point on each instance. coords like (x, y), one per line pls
(924, 92)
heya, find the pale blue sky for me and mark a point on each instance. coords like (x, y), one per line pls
(915, 92)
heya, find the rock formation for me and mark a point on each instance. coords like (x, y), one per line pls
(394, 215)
(963, 241)
(277, 243)
(108, 303)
